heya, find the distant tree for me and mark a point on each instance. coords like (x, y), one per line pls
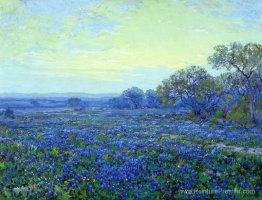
(9, 113)
(133, 98)
(77, 103)
(116, 102)
(246, 63)
(152, 99)
(73, 102)
(194, 87)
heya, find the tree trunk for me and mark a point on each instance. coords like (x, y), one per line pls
(251, 109)
(251, 102)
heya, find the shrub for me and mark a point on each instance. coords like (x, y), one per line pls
(2, 167)
(214, 120)
(192, 116)
(55, 152)
(240, 113)
(219, 114)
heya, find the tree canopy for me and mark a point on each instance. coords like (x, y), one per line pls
(194, 87)
(245, 61)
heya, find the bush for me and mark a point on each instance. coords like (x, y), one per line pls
(219, 114)
(214, 120)
(55, 152)
(240, 113)
(192, 116)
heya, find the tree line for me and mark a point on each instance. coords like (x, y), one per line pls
(134, 98)
(235, 94)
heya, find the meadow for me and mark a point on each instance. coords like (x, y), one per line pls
(127, 154)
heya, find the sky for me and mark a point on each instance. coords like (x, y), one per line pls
(107, 46)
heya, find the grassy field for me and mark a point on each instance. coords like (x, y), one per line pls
(141, 154)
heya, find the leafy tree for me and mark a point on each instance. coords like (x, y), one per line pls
(133, 98)
(73, 102)
(152, 99)
(77, 103)
(208, 94)
(194, 87)
(246, 63)
(116, 102)
(233, 90)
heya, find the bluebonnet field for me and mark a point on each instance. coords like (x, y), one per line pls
(121, 154)
(131, 147)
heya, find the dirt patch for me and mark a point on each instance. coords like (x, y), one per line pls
(169, 136)
(255, 151)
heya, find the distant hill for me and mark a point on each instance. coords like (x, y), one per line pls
(56, 95)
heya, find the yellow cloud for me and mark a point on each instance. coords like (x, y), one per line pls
(156, 34)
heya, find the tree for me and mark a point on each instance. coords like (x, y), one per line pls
(133, 98)
(116, 102)
(246, 62)
(233, 90)
(73, 102)
(152, 99)
(194, 87)
(76, 103)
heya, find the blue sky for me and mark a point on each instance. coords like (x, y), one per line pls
(102, 46)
